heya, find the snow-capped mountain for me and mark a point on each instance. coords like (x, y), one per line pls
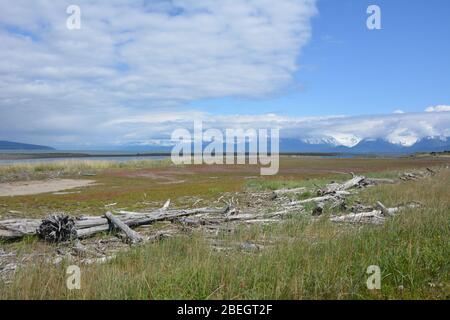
(8, 145)
(347, 140)
(328, 144)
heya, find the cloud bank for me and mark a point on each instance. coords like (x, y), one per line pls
(403, 129)
(440, 108)
(155, 128)
(134, 56)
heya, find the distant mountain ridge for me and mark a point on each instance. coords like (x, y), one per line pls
(291, 145)
(428, 144)
(9, 145)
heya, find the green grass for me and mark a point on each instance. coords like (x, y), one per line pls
(310, 260)
(42, 170)
(264, 185)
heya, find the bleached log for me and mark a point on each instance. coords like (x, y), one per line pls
(137, 219)
(166, 205)
(284, 211)
(374, 216)
(335, 187)
(168, 215)
(192, 221)
(90, 222)
(89, 232)
(384, 211)
(242, 216)
(284, 191)
(325, 198)
(18, 228)
(90, 225)
(131, 234)
(263, 221)
(80, 250)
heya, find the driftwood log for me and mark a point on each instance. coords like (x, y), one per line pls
(336, 187)
(377, 216)
(287, 191)
(18, 228)
(131, 234)
(63, 228)
(57, 228)
(93, 225)
(334, 196)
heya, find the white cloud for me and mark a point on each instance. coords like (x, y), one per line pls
(146, 53)
(404, 129)
(134, 57)
(77, 129)
(402, 136)
(398, 111)
(441, 108)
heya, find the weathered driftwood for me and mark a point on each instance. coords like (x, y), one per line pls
(194, 222)
(80, 250)
(358, 207)
(18, 228)
(131, 234)
(407, 176)
(166, 205)
(335, 187)
(57, 228)
(384, 211)
(375, 216)
(286, 191)
(138, 219)
(325, 198)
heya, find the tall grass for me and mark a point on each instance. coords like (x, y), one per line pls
(310, 260)
(69, 167)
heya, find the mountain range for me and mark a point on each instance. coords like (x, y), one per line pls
(290, 145)
(8, 145)
(428, 144)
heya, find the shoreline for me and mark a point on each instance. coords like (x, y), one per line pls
(11, 156)
(72, 155)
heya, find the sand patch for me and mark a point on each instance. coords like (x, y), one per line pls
(23, 188)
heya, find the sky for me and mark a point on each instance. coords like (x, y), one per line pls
(137, 70)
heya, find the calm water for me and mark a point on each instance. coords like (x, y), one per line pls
(114, 156)
(118, 156)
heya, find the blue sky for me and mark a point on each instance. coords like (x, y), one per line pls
(348, 69)
(137, 70)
